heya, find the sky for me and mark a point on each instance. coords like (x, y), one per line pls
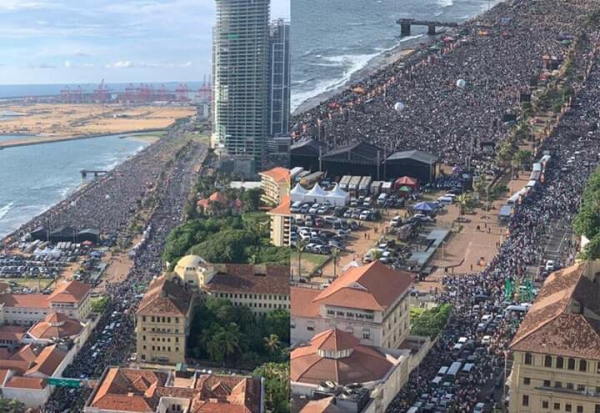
(85, 41)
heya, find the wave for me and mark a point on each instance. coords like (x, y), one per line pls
(5, 209)
(352, 64)
(445, 3)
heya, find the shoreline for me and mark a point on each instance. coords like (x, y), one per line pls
(401, 51)
(40, 140)
(80, 189)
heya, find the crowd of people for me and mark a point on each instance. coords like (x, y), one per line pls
(497, 55)
(109, 202)
(575, 149)
(114, 346)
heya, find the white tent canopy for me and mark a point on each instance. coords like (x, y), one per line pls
(298, 193)
(316, 194)
(338, 196)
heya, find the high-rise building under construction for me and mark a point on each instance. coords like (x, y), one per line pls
(241, 82)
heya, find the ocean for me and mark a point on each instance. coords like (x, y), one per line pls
(33, 178)
(333, 39)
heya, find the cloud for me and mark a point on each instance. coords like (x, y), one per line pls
(79, 53)
(41, 66)
(13, 5)
(68, 64)
(128, 64)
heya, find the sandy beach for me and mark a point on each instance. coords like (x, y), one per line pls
(69, 120)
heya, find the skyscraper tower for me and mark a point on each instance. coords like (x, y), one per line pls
(240, 72)
(279, 78)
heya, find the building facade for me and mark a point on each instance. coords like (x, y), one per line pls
(262, 287)
(240, 73)
(556, 351)
(369, 302)
(279, 78)
(281, 223)
(162, 322)
(275, 184)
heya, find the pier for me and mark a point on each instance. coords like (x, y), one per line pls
(405, 25)
(85, 172)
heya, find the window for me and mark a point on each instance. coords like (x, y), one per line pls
(529, 361)
(560, 363)
(556, 406)
(525, 400)
(579, 409)
(366, 335)
(568, 408)
(548, 361)
(570, 386)
(558, 384)
(580, 387)
(310, 328)
(544, 404)
(144, 318)
(571, 364)
(526, 381)
(582, 365)
(597, 408)
(143, 338)
(546, 383)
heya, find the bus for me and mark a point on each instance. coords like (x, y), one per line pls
(453, 371)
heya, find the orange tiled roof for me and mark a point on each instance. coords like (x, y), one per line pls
(550, 328)
(334, 340)
(25, 300)
(70, 292)
(302, 302)
(278, 174)
(364, 364)
(32, 383)
(283, 208)
(12, 333)
(370, 287)
(165, 297)
(47, 361)
(56, 325)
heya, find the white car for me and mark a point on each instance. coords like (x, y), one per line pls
(396, 221)
(550, 265)
(486, 340)
(364, 215)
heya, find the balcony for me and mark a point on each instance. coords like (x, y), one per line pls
(569, 392)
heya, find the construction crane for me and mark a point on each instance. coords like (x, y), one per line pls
(102, 93)
(181, 93)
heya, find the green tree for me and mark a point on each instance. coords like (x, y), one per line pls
(277, 386)
(278, 322)
(251, 199)
(272, 344)
(463, 200)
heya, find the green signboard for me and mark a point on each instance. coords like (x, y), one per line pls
(60, 382)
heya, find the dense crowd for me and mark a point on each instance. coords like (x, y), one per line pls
(112, 346)
(575, 150)
(109, 202)
(503, 51)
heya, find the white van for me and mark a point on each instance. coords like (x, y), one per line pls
(446, 200)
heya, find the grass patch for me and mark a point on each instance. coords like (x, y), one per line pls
(198, 137)
(31, 283)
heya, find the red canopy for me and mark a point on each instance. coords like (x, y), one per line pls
(406, 180)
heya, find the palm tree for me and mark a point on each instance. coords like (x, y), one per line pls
(300, 246)
(272, 343)
(335, 255)
(230, 340)
(463, 202)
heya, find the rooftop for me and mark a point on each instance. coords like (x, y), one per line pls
(54, 326)
(258, 279)
(166, 298)
(372, 287)
(278, 174)
(418, 156)
(351, 362)
(551, 325)
(283, 208)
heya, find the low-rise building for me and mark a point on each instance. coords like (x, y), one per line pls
(556, 351)
(281, 223)
(162, 321)
(369, 302)
(275, 183)
(55, 327)
(260, 287)
(338, 359)
(70, 298)
(149, 391)
(24, 373)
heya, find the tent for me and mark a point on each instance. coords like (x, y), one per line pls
(40, 233)
(338, 197)
(316, 194)
(89, 234)
(425, 206)
(63, 234)
(404, 190)
(298, 193)
(406, 181)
